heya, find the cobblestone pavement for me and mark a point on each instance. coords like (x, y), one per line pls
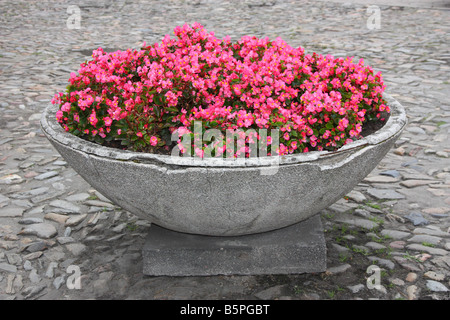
(53, 224)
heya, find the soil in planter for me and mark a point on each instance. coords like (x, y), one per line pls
(370, 127)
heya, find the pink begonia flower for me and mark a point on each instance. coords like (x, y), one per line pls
(153, 141)
(252, 83)
(93, 119)
(65, 107)
(59, 115)
(108, 121)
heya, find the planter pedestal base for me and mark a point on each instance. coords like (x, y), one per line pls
(296, 249)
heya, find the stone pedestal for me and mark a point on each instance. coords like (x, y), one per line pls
(296, 249)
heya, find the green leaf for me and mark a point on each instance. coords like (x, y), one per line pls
(157, 100)
(98, 139)
(172, 109)
(156, 109)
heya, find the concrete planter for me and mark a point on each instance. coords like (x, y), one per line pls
(224, 198)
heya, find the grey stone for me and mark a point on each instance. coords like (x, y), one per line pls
(339, 269)
(356, 288)
(59, 281)
(34, 277)
(420, 238)
(46, 175)
(243, 206)
(9, 286)
(375, 245)
(3, 141)
(67, 231)
(33, 255)
(439, 215)
(75, 220)
(436, 286)
(11, 212)
(417, 219)
(382, 262)
(416, 183)
(42, 230)
(31, 220)
(37, 246)
(65, 206)
(362, 213)
(340, 249)
(65, 240)
(356, 196)
(31, 291)
(50, 273)
(357, 222)
(416, 176)
(78, 197)
(98, 203)
(395, 234)
(339, 208)
(119, 228)
(7, 267)
(381, 179)
(385, 194)
(14, 258)
(391, 173)
(433, 232)
(27, 265)
(430, 250)
(76, 248)
(60, 163)
(416, 130)
(442, 154)
(272, 292)
(295, 249)
(3, 200)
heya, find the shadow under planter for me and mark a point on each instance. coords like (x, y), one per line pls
(296, 249)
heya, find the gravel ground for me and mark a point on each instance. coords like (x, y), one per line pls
(54, 226)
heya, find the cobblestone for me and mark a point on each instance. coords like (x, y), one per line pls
(40, 195)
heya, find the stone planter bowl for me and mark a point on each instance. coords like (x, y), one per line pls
(224, 197)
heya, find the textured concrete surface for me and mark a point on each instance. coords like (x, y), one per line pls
(296, 249)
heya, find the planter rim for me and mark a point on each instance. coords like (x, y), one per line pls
(52, 129)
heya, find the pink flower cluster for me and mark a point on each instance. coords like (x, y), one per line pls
(140, 97)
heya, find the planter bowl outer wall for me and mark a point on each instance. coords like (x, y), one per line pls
(220, 197)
